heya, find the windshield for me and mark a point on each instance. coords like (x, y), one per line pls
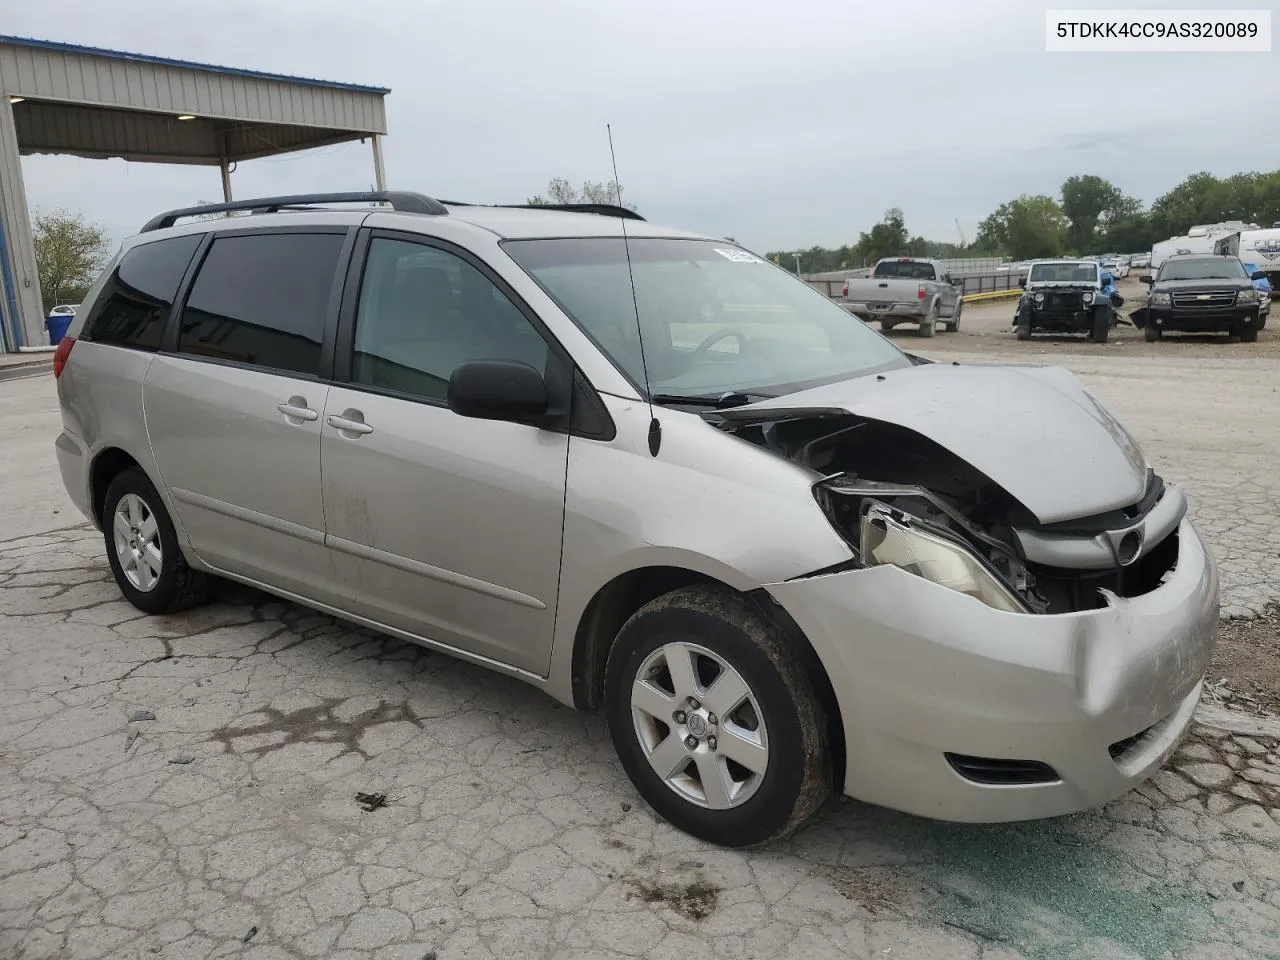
(905, 269)
(1063, 273)
(714, 317)
(1210, 268)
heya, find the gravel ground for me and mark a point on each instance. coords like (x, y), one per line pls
(208, 784)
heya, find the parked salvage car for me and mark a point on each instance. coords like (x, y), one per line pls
(1067, 296)
(906, 290)
(1118, 267)
(1201, 293)
(1263, 285)
(779, 554)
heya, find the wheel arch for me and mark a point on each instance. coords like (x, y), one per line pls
(107, 464)
(615, 602)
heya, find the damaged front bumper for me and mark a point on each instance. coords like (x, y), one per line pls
(958, 711)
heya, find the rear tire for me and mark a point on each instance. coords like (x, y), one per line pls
(886, 325)
(768, 769)
(929, 325)
(1151, 333)
(953, 325)
(143, 551)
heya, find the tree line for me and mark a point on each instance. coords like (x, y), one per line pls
(1090, 215)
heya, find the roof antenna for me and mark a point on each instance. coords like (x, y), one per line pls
(655, 428)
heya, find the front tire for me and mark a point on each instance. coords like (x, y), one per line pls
(715, 720)
(1022, 326)
(1249, 334)
(143, 551)
(1101, 325)
(1151, 333)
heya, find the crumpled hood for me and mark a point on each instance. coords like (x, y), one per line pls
(1035, 431)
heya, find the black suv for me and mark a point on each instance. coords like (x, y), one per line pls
(1199, 293)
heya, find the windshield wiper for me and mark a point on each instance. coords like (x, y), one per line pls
(733, 398)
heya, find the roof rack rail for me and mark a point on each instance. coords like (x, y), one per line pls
(400, 201)
(603, 209)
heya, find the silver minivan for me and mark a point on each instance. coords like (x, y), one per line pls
(656, 476)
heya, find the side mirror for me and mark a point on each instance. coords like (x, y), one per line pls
(1022, 282)
(498, 390)
(1258, 275)
(1147, 278)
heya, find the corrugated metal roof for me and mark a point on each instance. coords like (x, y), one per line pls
(186, 64)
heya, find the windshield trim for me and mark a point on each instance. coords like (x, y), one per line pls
(773, 390)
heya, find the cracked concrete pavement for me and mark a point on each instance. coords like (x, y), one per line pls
(228, 826)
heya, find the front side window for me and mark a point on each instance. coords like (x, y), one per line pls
(261, 299)
(705, 318)
(134, 305)
(423, 312)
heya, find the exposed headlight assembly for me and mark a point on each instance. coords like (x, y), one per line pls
(1088, 296)
(1246, 296)
(1039, 298)
(888, 539)
(1160, 299)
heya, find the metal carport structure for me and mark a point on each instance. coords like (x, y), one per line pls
(87, 102)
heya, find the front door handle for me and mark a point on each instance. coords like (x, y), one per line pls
(296, 410)
(351, 421)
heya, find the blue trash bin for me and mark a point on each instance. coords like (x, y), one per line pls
(58, 324)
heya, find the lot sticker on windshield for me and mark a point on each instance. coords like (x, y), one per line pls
(738, 256)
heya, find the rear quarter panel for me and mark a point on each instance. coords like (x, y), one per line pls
(100, 394)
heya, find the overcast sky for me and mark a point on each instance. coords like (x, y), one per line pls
(780, 124)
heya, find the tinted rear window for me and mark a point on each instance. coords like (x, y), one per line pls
(906, 270)
(135, 302)
(262, 299)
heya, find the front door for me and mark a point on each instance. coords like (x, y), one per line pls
(444, 526)
(233, 414)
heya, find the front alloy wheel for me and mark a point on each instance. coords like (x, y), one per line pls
(707, 741)
(716, 719)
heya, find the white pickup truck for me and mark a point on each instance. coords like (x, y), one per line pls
(906, 290)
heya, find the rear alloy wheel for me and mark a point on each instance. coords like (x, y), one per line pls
(143, 551)
(952, 325)
(930, 323)
(1151, 333)
(715, 720)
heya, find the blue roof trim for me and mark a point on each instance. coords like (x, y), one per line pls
(186, 64)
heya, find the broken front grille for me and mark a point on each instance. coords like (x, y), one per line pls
(1064, 301)
(1068, 590)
